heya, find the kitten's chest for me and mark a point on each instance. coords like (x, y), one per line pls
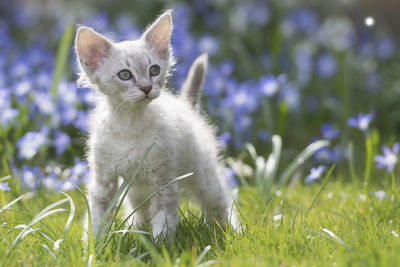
(123, 150)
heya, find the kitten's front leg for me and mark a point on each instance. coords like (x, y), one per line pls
(100, 193)
(164, 212)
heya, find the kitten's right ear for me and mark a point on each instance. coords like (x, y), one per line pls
(91, 48)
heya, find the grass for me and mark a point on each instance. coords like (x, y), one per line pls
(335, 225)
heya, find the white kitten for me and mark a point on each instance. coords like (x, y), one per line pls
(133, 111)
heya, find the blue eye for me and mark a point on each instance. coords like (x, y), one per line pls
(124, 75)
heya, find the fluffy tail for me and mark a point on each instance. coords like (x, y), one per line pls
(191, 88)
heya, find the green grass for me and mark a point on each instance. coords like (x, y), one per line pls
(343, 227)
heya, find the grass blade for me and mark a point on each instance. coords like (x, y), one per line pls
(11, 203)
(90, 233)
(61, 59)
(300, 159)
(273, 161)
(71, 214)
(328, 175)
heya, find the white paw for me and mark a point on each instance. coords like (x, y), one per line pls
(160, 225)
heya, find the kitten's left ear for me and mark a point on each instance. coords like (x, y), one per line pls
(158, 35)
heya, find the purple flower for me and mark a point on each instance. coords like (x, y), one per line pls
(326, 65)
(30, 176)
(389, 158)
(51, 182)
(268, 85)
(290, 94)
(315, 174)
(386, 47)
(361, 121)
(328, 132)
(61, 142)
(30, 143)
(230, 174)
(4, 187)
(208, 44)
(7, 115)
(327, 155)
(225, 138)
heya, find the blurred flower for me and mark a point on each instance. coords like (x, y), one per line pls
(389, 158)
(290, 94)
(4, 187)
(385, 47)
(304, 62)
(327, 155)
(81, 121)
(30, 176)
(243, 100)
(263, 135)
(22, 87)
(7, 115)
(337, 33)
(328, 132)
(30, 143)
(230, 175)
(99, 22)
(61, 142)
(225, 138)
(268, 85)
(51, 182)
(372, 81)
(300, 21)
(361, 121)
(208, 44)
(315, 174)
(44, 102)
(380, 195)
(326, 65)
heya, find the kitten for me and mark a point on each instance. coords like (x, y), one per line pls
(133, 111)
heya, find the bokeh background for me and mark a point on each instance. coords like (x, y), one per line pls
(299, 69)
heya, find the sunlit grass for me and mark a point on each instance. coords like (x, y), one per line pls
(307, 225)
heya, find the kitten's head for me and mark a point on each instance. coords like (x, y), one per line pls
(129, 71)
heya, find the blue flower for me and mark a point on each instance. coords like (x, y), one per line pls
(326, 65)
(361, 121)
(389, 158)
(208, 44)
(230, 174)
(327, 155)
(31, 142)
(268, 85)
(328, 132)
(242, 99)
(7, 115)
(225, 138)
(51, 182)
(61, 142)
(4, 187)
(386, 47)
(315, 174)
(290, 94)
(30, 176)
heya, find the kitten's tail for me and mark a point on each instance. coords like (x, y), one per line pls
(192, 86)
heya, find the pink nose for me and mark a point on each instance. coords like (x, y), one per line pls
(145, 89)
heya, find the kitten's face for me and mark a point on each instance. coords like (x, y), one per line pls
(130, 71)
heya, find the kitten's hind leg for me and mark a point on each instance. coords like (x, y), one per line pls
(215, 196)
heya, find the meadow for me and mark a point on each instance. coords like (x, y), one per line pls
(305, 100)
